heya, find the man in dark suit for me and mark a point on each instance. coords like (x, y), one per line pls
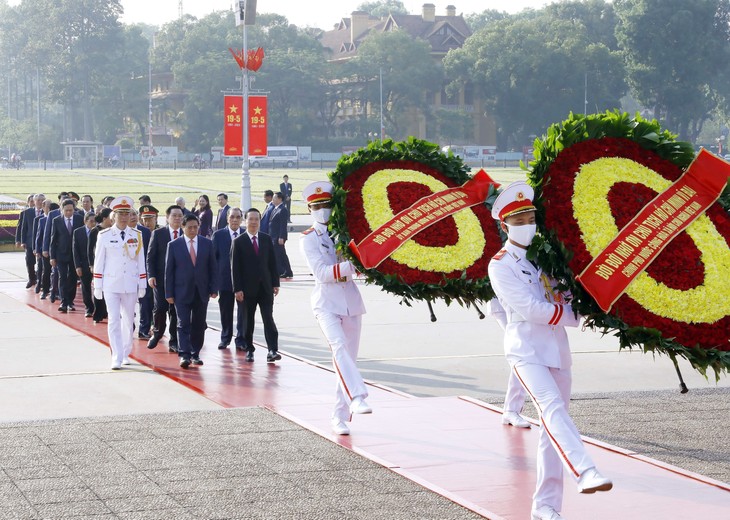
(60, 251)
(25, 224)
(44, 262)
(81, 261)
(256, 282)
(222, 240)
(278, 229)
(268, 196)
(190, 281)
(222, 219)
(156, 276)
(148, 216)
(286, 189)
(47, 243)
(38, 246)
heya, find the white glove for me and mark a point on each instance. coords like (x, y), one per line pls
(141, 293)
(98, 294)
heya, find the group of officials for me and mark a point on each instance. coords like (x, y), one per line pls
(240, 264)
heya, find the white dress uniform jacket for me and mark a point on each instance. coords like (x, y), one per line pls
(535, 312)
(119, 265)
(334, 290)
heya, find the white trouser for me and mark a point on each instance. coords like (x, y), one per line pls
(514, 399)
(559, 442)
(121, 324)
(343, 336)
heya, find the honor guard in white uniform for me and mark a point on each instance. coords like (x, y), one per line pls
(337, 306)
(120, 278)
(537, 350)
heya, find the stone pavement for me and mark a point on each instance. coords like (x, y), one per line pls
(237, 463)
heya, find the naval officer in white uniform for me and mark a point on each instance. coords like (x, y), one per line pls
(337, 305)
(120, 278)
(537, 350)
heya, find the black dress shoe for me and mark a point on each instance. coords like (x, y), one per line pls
(37, 288)
(197, 361)
(249, 356)
(88, 314)
(29, 284)
(272, 356)
(184, 363)
(144, 335)
(152, 343)
(44, 296)
(222, 345)
(172, 348)
(173, 343)
(53, 298)
(63, 308)
(71, 308)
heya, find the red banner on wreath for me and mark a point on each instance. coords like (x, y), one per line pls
(657, 224)
(385, 240)
(233, 125)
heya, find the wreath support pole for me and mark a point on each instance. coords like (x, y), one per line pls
(430, 309)
(682, 387)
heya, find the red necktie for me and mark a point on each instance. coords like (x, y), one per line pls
(192, 251)
(174, 234)
(255, 245)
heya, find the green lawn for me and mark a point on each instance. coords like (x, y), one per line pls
(164, 185)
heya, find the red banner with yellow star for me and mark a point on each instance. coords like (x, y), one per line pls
(233, 121)
(257, 125)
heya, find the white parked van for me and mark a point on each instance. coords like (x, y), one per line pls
(282, 156)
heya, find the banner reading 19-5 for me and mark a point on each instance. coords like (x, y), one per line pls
(233, 127)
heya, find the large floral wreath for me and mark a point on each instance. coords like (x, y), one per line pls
(447, 260)
(592, 175)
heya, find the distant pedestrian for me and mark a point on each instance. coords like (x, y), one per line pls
(278, 229)
(287, 190)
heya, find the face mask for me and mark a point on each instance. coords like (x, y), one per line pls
(322, 215)
(522, 235)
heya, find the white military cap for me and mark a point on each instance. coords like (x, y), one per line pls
(319, 191)
(514, 199)
(122, 203)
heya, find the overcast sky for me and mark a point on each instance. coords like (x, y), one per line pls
(316, 13)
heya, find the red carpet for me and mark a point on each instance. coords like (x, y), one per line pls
(454, 446)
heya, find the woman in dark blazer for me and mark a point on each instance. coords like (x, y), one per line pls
(205, 215)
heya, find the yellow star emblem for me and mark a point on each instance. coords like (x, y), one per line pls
(257, 110)
(233, 108)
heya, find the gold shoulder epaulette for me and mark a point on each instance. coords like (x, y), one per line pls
(499, 255)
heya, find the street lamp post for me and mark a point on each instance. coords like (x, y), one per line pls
(245, 15)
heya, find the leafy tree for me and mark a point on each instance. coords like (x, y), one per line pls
(675, 51)
(531, 71)
(380, 8)
(479, 21)
(74, 55)
(408, 70)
